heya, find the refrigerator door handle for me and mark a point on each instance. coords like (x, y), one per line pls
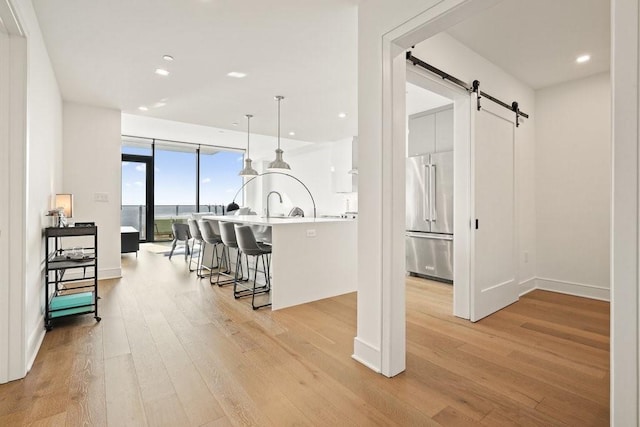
(432, 181)
(427, 197)
(429, 236)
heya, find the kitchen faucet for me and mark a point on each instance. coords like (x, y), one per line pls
(269, 195)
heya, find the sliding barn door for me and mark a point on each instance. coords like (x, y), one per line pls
(494, 283)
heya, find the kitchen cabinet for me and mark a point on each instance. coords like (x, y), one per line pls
(422, 135)
(444, 130)
(430, 132)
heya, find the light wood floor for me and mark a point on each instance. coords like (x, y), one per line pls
(172, 350)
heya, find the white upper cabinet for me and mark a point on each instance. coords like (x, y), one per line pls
(444, 130)
(431, 132)
(344, 166)
(422, 135)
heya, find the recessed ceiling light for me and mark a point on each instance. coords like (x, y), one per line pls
(237, 74)
(292, 134)
(342, 115)
(234, 124)
(159, 104)
(168, 58)
(162, 72)
(143, 108)
(583, 58)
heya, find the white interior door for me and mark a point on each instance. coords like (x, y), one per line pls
(494, 283)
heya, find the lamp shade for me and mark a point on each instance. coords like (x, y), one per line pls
(248, 169)
(65, 202)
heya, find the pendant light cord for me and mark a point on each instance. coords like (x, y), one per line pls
(248, 116)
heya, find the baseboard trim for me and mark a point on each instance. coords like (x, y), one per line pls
(366, 354)
(572, 288)
(109, 273)
(106, 273)
(527, 286)
(35, 341)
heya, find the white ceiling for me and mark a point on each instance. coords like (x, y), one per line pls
(104, 53)
(537, 41)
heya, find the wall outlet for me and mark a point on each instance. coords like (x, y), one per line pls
(526, 257)
(311, 232)
(101, 197)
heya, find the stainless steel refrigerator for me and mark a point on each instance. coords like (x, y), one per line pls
(429, 236)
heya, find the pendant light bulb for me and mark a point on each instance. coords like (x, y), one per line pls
(248, 169)
(279, 163)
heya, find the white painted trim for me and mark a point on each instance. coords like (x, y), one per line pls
(462, 181)
(391, 308)
(33, 344)
(366, 354)
(573, 288)
(625, 215)
(17, 207)
(4, 207)
(527, 286)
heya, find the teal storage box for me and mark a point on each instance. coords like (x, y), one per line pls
(64, 305)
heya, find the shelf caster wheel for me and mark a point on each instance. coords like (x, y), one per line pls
(48, 327)
(98, 318)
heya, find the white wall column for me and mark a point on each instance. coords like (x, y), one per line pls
(625, 215)
(13, 78)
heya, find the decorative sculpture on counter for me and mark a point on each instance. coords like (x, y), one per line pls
(280, 173)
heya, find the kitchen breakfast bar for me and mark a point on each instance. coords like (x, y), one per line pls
(312, 258)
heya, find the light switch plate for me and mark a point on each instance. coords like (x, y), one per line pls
(101, 197)
(311, 232)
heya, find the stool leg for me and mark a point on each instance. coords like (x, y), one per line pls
(267, 280)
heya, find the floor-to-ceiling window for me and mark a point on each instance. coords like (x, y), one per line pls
(164, 182)
(219, 180)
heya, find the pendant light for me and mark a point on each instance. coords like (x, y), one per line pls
(248, 169)
(278, 163)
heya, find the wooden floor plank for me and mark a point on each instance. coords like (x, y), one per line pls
(174, 350)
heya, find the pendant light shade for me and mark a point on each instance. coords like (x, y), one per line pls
(279, 163)
(248, 169)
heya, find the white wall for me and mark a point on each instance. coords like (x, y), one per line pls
(313, 166)
(573, 186)
(92, 164)
(41, 171)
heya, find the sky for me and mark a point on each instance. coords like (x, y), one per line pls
(175, 178)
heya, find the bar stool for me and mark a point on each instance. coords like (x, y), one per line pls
(197, 238)
(228, 234)
(211, 235)
(180, 234)
(248, 245)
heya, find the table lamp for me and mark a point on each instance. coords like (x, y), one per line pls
(64, 204)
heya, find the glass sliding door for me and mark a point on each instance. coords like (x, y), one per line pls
(175, 181)
(219, 179)
(137, 194)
